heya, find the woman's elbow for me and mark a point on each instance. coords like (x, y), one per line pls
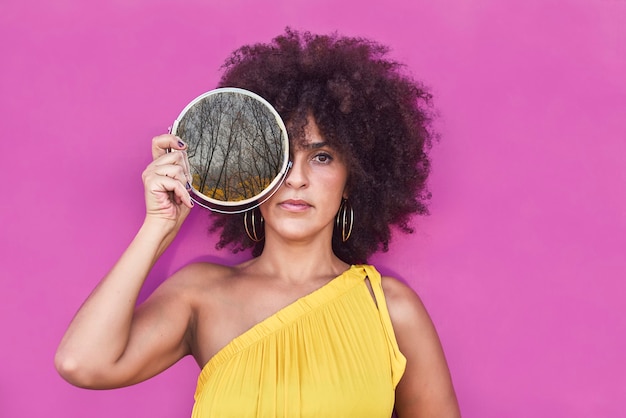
(75, 373)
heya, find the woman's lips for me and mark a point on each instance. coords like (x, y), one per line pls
(295, 205)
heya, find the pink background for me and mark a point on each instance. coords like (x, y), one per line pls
(521, 264)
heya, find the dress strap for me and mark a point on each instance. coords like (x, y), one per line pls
(398, 361)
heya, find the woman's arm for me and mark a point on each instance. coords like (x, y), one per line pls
(426, 389)
(109, 343)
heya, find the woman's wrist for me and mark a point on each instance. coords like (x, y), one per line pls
(158, 233)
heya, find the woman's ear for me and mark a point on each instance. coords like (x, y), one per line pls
(345, 191)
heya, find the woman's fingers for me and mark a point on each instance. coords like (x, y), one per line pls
(178, 159)
(163, 190)
(173, 171)
(166, 179)
(162, 144)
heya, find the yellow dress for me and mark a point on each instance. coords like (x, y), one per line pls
(331, 353)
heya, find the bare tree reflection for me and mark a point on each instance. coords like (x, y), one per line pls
(234, 146)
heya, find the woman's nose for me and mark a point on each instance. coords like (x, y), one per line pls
(296, 176)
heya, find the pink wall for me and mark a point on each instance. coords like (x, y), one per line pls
(521, 264)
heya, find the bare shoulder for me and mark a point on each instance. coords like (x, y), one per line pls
(194, 275)
(404, 305)
(426, 387)
(186, 288)
(413, 327)
(205, 270)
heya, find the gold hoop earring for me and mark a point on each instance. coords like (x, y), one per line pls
(345, 220)
(250, 224)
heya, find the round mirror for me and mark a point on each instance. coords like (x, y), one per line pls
(237, 148)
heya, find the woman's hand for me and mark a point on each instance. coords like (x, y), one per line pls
(167, 181)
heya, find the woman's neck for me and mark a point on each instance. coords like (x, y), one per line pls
(297, 262)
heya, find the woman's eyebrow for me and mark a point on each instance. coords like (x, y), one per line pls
(316, 145)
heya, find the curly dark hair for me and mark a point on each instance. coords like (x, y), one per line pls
(365, 107)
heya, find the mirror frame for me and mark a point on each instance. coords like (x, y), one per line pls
(249, 203)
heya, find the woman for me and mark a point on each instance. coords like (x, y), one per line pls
(300, 329)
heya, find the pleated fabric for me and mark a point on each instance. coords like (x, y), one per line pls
(331, 353)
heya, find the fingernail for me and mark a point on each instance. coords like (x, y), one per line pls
(188, 186)
(181, 143)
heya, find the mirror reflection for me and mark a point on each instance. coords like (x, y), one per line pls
(237, 148)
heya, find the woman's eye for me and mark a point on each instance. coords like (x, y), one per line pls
(323, 158)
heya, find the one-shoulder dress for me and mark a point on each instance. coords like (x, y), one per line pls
(331, 353)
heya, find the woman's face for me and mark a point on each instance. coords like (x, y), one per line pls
(306, 204)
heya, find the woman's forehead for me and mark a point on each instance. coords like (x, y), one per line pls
(305, 133)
